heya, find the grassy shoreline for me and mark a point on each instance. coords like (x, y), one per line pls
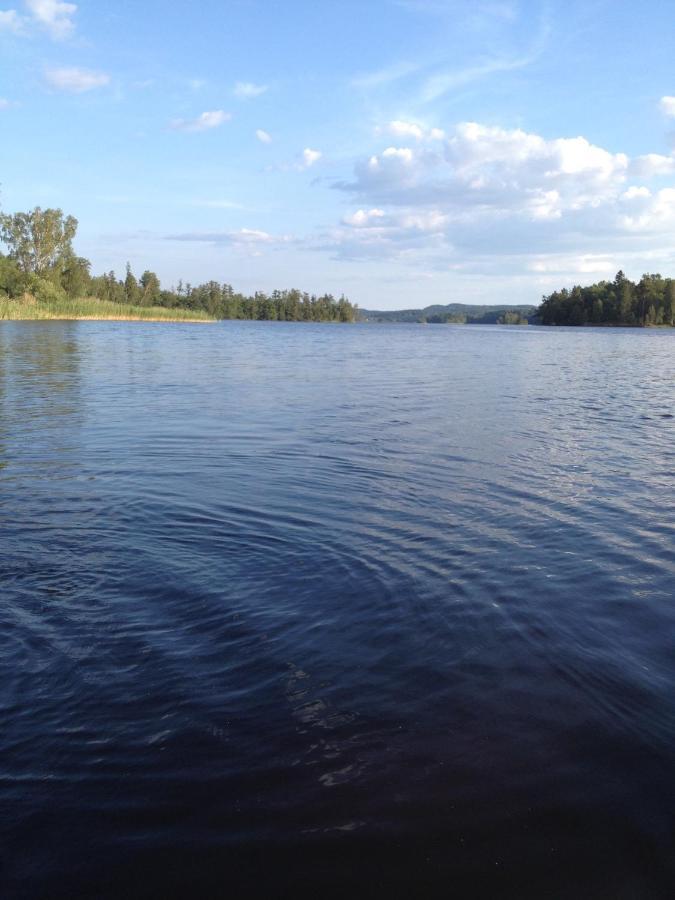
(92, 309)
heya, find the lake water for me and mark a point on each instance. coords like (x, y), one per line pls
(336, 611)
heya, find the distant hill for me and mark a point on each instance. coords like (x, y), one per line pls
(452, 312)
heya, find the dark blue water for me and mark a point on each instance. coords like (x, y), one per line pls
(344, 611)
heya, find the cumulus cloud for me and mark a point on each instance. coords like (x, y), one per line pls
(246, 90)
(481, 166)
(204, 122)
(75, 80)
(263, 136)
(667, 106)
(652, 164)
(402, 129)
(489, 191)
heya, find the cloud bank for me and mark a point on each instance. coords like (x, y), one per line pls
(450, 201)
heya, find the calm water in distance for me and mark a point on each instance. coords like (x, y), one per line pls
(336, 610)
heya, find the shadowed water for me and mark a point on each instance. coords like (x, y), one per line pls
(363, 610)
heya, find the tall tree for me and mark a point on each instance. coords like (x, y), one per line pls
(39, 239)
(131, 291)
(150, 288)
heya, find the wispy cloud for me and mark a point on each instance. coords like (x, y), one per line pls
(10, 20)
(247, 90)
(250, 241)
(432, 79)
(219, 204)
(75, 80)
(263, 136)
(385, 76)
(438, 85)
(204, 122)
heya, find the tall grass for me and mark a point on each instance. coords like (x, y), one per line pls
(90, 308)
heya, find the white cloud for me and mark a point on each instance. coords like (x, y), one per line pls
(363, 217)
(487, 192)
(401, 129)
(652, 164)
(54, 16)
(4, 103)
(309, 157)
(76, 80)
(204, 122)
(246, 90)
(263, 136)
(667, 106)
(586, 264)
(250, 241)
(405, 129)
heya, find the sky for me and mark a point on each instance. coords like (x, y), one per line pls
(403, 152)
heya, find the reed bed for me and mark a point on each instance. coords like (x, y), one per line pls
(91, 308)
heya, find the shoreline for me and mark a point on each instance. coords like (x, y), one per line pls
(106, 319)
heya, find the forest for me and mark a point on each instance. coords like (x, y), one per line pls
(42, 267)
(650, 301)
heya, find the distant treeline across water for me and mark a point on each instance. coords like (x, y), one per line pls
(620, 302)
(42, 267)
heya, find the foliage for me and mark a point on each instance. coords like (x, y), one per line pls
(512, 318)
(12, 280)
(220, 301)
(457, 313)
(38, 240)
(45, 291)
(42, 263)
(620, 302)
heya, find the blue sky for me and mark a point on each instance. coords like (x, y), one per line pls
(403, 152)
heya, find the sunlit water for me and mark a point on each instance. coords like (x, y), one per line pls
(363, 610)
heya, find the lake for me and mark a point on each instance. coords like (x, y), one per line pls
(370, 610)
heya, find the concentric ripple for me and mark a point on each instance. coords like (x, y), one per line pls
(385, 610)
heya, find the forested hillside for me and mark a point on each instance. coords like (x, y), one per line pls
(461, 313)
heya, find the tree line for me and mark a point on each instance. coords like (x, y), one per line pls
(650, 301)
(41, 262)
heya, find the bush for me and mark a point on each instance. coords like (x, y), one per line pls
(46, 291)
(12, 280)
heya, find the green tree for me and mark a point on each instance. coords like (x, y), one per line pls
(39, 239)
(131, 289)
(75, 277)
(151, 288)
